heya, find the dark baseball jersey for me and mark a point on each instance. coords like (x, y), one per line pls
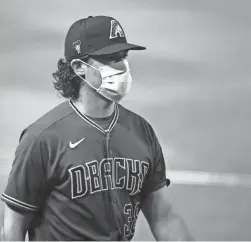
(85, 180)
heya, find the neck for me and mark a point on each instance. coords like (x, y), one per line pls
(93, 104)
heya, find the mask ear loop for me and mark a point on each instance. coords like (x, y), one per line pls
(127, 65)
(81, 76)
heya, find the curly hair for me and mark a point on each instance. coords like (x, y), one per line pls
(66, 82)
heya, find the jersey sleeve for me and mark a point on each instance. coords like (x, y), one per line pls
(156, 176)
(26, 186)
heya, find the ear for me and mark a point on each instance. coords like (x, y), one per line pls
(79, 67)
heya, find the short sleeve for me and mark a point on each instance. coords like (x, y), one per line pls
(26, 186)
(156, 177)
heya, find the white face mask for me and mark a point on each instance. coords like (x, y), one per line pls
(115, 83)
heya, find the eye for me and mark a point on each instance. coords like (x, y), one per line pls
(118, 57)
(125, 55)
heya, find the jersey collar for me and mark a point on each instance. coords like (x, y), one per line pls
(95, 125)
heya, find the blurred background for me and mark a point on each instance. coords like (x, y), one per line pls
(192, 84)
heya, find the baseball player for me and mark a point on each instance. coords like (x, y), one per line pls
(85, 169)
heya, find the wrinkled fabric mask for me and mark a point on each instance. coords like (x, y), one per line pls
(115, 83)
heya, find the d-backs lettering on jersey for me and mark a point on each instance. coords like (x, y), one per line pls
(89, 191)
(97, 176)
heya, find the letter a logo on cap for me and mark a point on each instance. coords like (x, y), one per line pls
(116, 30)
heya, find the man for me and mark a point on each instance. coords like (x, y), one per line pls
(85, 169)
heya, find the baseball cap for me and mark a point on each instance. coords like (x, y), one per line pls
(99, 35)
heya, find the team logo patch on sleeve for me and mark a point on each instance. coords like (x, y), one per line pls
(76, 45)
(116, 30)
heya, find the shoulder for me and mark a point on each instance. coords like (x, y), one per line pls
(48, 122)
(135, 121)
(129, 115)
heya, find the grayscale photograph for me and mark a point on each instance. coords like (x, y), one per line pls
(125, 120)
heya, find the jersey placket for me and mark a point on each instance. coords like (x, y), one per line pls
(107, 133)
(117, 208)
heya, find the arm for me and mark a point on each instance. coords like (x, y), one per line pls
(26, 188)
(15, 224)
(164, 223)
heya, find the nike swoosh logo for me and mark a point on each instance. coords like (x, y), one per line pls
(73, 145)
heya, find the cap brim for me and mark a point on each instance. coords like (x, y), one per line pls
(111, 49)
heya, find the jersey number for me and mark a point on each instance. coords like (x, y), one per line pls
(132, 215)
